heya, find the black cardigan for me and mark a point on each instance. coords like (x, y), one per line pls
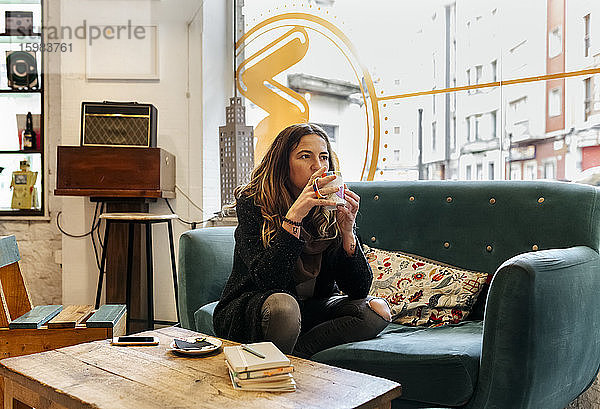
(258, 272)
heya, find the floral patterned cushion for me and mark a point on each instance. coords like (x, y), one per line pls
(423, 292)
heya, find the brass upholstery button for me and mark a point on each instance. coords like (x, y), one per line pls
(449, 199)
(489, 248)
(446, 244)
(376, 197)
(492, 200)
(412, 198)
(373, 239)
(534, 247)
(541, 200)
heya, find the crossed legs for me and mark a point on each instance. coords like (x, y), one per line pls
(321, 323)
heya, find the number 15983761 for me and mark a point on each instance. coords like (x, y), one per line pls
(47, 47)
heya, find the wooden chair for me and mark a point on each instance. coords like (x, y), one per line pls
(25, 329)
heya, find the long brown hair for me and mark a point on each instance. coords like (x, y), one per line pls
(269, 184)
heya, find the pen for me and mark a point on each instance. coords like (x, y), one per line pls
(252, 351)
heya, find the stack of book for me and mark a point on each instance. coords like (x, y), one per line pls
(259, 367)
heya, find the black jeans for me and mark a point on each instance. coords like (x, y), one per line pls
(318, 324)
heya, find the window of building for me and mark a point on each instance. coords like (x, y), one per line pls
(479, 171)
(550, 170)
(396, 129)
(586, 37)
(493, 121)
(331, 131)
(587, 102)
(433, 136)
(515, 171)
(469, 76)
(433, 103)
(468, 172)
(494, 71)
(453, 134)
(555, 42)
(491, 171)
(469, 136)
(396, 155)
(478, 74)
(517, 58)
(554, 102)
(518, 109)
(530, 170)
(477, 126)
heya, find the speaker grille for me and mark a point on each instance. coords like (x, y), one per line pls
(117, 130)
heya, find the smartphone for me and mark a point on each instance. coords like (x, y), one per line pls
(134, 340)
(189, 346)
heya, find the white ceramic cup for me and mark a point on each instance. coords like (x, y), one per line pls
(338, 196)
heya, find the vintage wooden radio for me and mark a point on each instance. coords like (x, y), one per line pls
(103, 171)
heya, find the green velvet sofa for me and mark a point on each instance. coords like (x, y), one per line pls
(532, 340)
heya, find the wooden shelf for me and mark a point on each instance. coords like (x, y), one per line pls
(21, 152)
(20, 35)
(20, 1)
(11, 39)
(20, 212)
(17, 91)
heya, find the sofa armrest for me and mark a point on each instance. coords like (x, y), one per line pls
(205, 261)
(542, 319)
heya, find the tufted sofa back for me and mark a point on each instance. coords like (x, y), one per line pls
(477, 225)
(474, 225)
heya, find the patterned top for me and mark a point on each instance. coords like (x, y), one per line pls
(258, 272)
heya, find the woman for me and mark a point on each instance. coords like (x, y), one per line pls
(292, 256)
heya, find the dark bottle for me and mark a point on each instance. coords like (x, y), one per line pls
(29, 135)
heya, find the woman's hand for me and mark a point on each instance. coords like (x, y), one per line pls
(307, 199)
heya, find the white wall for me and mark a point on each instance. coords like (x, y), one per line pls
(191, 93)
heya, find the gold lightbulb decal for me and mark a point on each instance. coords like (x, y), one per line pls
(255, 78)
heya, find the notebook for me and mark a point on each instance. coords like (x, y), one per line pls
(241, 360)
(261, 373)
(288, 385)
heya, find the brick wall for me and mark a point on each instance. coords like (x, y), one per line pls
(39, 245)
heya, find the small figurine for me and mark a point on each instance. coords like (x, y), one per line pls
(29, 135)
(23, 185)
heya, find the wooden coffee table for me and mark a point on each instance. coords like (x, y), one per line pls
(98, 375)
